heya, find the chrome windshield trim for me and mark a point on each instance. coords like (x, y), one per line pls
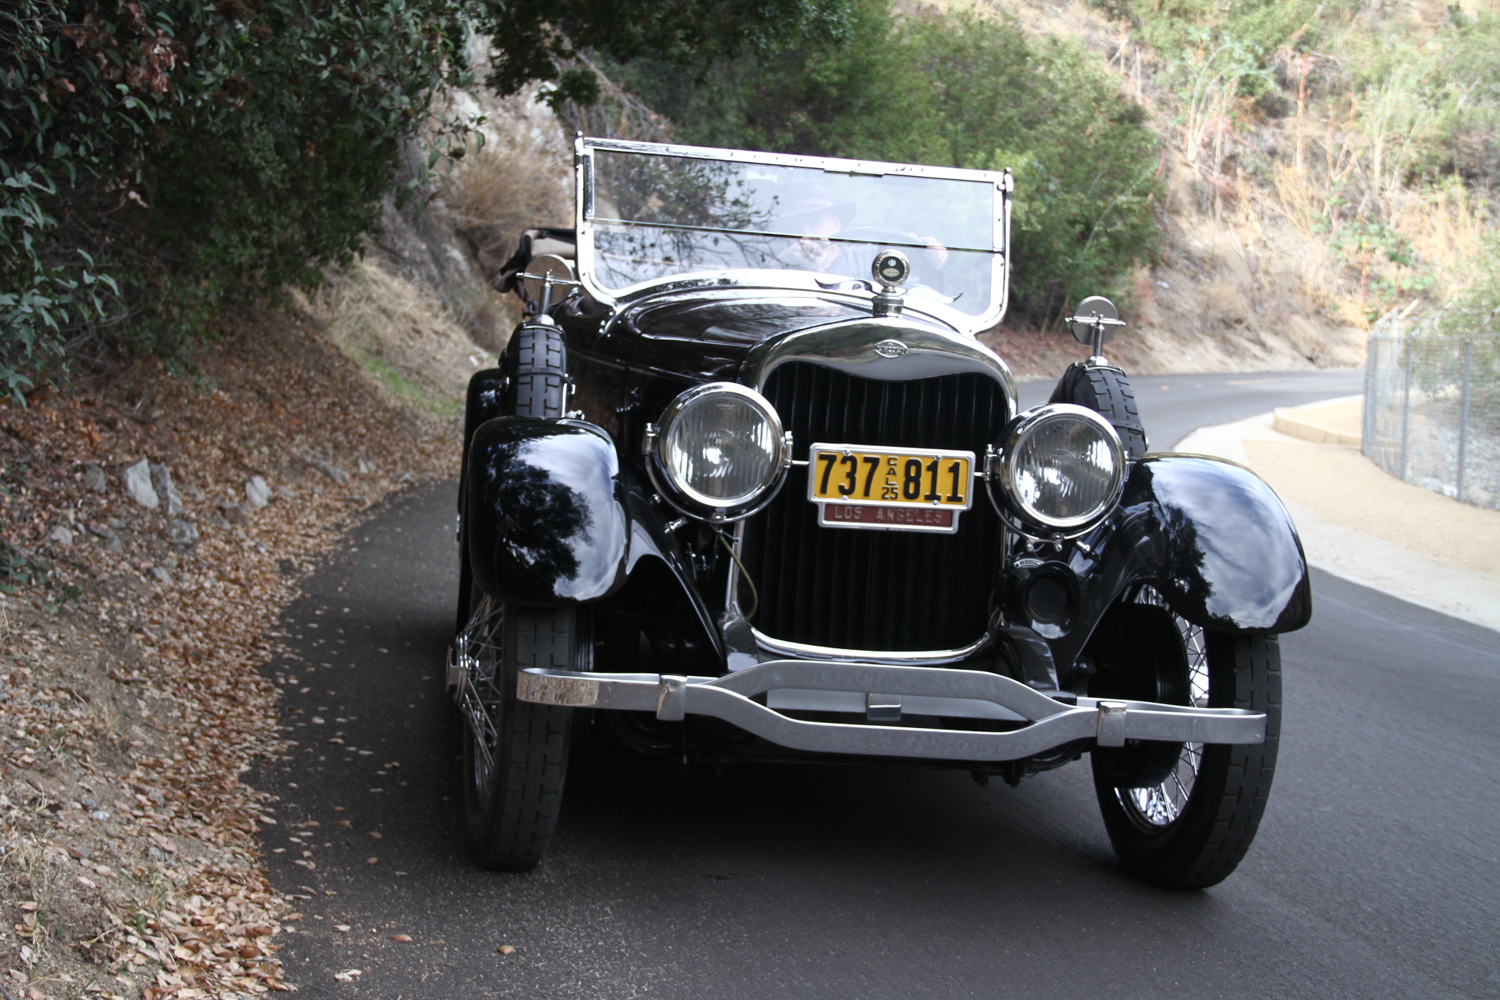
(584, 210)
(874, 168)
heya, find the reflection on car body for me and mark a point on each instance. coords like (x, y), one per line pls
(746, 487)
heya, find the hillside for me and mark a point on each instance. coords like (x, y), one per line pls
(1296, 216)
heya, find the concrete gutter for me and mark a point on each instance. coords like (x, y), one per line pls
(1361, 523)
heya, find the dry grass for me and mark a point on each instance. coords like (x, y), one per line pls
(505, 187)
(400, 335)
(1250, 274)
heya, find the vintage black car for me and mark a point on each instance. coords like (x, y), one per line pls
(746, 487)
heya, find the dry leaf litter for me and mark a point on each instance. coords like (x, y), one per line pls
(130, 694)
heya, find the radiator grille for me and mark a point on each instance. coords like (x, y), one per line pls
(875, 590)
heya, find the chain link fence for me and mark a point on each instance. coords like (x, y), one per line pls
(1432, 411)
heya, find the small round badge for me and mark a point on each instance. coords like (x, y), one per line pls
(891, 267)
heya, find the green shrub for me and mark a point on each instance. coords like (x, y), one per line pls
(952, 90)
(1477, 309)
(162, 159)
(197, 153)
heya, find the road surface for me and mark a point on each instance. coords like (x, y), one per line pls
(1374, 875)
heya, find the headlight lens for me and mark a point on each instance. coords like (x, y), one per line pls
(721, 448)
(1061, 466)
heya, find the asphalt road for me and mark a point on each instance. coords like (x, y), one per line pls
(1374, 875)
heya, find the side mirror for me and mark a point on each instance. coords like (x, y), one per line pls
(1093, 324)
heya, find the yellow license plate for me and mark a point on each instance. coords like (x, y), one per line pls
(912, 489)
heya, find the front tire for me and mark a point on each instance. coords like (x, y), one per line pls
(515, 757)
(1186, 822)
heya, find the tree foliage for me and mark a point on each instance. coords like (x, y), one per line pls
(187, 152)
(953, 90)
(164, 157)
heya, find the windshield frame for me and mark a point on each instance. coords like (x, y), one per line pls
(791, 279)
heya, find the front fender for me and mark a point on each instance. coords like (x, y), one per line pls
(544, 513)
(552, 518)
(1230, 557)
(1209, 535)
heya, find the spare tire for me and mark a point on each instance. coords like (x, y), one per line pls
(1107, 392)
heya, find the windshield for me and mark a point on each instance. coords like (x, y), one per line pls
(654, 215)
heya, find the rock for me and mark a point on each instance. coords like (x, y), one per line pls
(161, 481)
(287, 492)
(218, 522)
(331, 471)
(137, 480)
(94, 479)
(257, 492)
(404, 477)
(234, 513)
(111, 540)
(181, 532)
(162, 576)
(364, 468)
(61, 535)
(192, 492)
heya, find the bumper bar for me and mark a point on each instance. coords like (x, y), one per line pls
(1052, 723)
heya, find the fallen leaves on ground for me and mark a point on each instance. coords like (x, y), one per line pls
(131, 701)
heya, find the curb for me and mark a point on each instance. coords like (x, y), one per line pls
(1328, 422)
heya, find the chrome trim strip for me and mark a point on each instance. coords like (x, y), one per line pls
(850, 344)
(1053, 724)
(889, 657)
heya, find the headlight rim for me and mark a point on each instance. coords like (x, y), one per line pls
(690, 501)
(1005, 493)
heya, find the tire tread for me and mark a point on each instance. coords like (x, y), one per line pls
(532, 755)
(1215, 830)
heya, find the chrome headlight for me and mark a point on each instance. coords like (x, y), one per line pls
(719, 452)
(1060, 467)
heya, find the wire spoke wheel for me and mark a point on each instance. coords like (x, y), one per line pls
(1157, 806)
(515, 755)
(481, 650)
(1182, 815)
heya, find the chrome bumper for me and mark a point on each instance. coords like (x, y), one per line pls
(1051, 722)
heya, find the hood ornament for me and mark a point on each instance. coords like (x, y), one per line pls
(891, 269)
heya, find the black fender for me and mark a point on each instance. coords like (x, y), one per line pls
(1209, 535)
(552, 517)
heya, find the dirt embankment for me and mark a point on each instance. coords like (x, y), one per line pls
(131, 637)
